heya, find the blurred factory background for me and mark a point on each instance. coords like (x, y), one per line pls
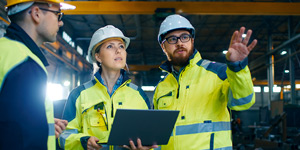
(272, 123)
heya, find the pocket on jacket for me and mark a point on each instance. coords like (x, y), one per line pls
(97, 127)
(97, 122)
(165, 101)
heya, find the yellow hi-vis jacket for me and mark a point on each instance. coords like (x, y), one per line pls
(203, 92)
(90, 111)
(28, 111)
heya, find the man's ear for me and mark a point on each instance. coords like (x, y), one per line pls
(35, 14)
(162, 45)
(193, 40)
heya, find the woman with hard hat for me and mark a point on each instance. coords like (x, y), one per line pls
(91, 107)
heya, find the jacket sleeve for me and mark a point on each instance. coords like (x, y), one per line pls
(73, 138)
(240, 94)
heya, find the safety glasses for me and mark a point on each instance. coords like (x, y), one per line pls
(174, 39)
(59, 14)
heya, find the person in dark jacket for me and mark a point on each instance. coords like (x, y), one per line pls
(27, 121)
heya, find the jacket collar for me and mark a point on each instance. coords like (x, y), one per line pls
(193, 59)
(15, 32)
(123, 73)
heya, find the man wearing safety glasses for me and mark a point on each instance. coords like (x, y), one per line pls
(26, 119)
(201, 89)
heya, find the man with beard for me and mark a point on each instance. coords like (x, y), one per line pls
(201, 89)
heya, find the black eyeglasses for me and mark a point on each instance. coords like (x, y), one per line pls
(59, 14)
(173, 39)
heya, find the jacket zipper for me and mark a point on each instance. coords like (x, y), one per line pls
(112, 109)
(178, 91)
(112, 103)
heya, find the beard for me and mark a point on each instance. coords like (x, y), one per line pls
(180, 60)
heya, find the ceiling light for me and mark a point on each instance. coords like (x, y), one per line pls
(286, 71)
(225, 51)
(148, 88)
(283, 53)
(244, 35)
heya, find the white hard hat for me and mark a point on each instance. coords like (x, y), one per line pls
(103, 33)
(174, 22)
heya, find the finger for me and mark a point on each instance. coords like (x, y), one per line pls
(61, 124)
(127, 147)
(132, 144)
(233, 37)
(139, 143)
(154, 146)
(65, 122)
(246, 40)
(252, 45)
(56, 134)
(94, 143)
(239, 37)
(89, 147)
(58, 128)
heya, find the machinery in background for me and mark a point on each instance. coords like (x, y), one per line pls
(277, 129)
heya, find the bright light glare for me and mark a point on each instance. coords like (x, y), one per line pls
(276, 89)
(66, 83)
(286, 71)
(244, 35)
(65, 6)
(283, 53)
(54, 91)
(148, 88)
(162, 77)
(257, 89)
(224, 52)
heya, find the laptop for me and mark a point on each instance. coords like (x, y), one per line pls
(151, 126)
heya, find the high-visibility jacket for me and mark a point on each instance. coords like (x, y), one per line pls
(90, 111)
(203, 93)
(26, 117)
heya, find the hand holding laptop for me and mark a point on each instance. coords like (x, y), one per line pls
(92, 144)
(139, 145)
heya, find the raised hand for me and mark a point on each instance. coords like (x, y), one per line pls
(238, 49)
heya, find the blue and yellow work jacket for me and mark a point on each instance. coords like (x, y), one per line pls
(90, 110)
(26, 118)
(203, 92)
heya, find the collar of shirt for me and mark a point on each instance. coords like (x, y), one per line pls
(15, 32)
(115, 87)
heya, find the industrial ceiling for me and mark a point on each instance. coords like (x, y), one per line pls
(275, 25)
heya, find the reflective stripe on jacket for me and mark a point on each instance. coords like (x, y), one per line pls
(14, 57)
(203, 93)
(90, 111)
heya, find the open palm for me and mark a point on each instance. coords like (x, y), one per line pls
(238, 49)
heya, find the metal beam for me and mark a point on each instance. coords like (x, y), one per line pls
(197, 8)
(276, 82)
(254, 65)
